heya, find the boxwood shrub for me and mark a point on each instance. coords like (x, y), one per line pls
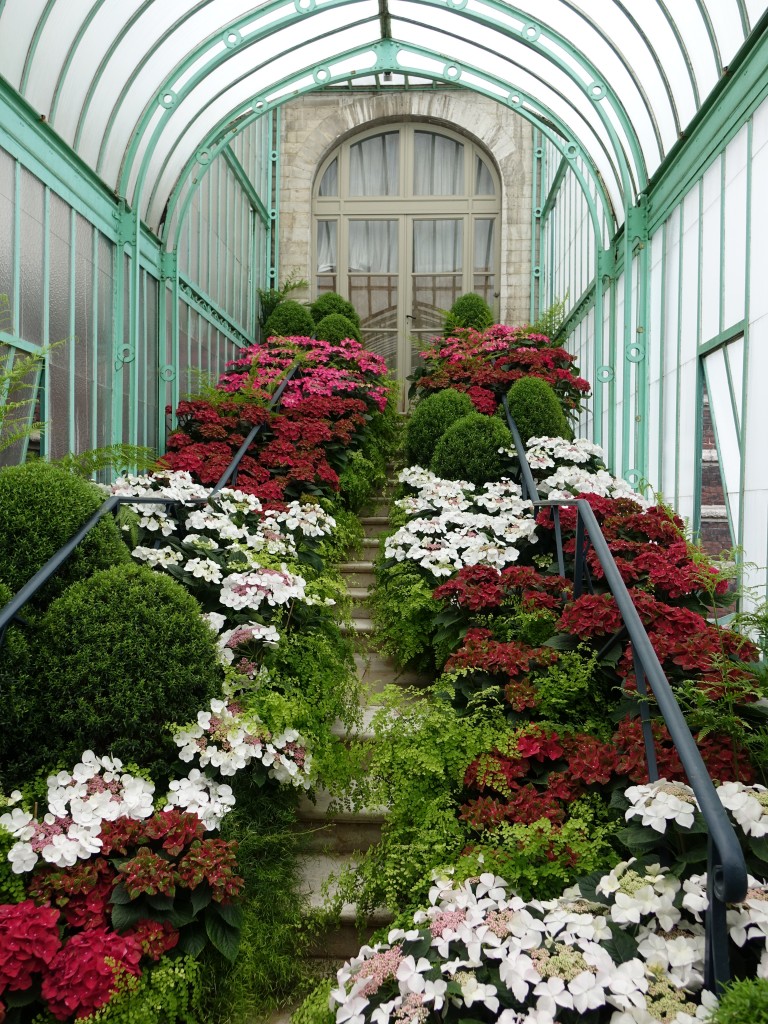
(469, 450)
(332, 302)
(430, 420)
(41, 507)
(336, 327)
(115, 659)
(289, 319)
(536, 410)
(468, 310)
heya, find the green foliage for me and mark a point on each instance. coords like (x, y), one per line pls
(568, 691)
(430, 420)
(273, 936)
(11, 885)
(346, 539)
(359, 479)
(18, 390)
(468, 310)
(550, 321)
(168, 992)
(404, 611)
(315, 1009)
(742, 1002)
(289, 319)
(539, 860)
(41, 507)
(536, 410)
(332, 302)
(115, 658)
(335, 327)
(416, 766)
(118, 457)
(469, 450)
(270, 299)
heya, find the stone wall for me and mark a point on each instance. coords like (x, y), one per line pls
(316, 123)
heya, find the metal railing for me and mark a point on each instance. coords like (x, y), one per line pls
(726, 868)
(110, 506)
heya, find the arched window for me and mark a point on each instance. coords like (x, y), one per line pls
(406, 219)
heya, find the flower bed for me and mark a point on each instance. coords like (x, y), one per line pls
(486, 363)
(527, 744)
(304, 446)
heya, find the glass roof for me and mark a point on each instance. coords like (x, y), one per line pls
(147, 91)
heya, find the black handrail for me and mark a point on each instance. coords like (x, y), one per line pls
(110, 506)
(726, 868)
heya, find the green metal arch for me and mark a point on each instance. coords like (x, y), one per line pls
(297, 15)
(386, 51)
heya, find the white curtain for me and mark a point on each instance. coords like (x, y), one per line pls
(438, 166)
(326, 247)
(438, 246)
(373, 166)
(485, 250)
(329, 186)
(373, 246)
(483, 179)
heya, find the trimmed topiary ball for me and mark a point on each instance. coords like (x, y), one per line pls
(331, 302)
(430, 420)
(469, 450)
(743, 1002)
(536, 410)
(41, 507)
(116, 658)
(290, 319)
(468, 310)
(335, 328)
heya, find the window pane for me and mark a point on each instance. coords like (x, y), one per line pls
(373, 246)
(438, 246)
(326, 246)
(329, 186)
(373, 166)
(484, 248)
(483, 179)
(438, 165)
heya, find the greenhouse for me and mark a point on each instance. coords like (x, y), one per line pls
(380, 445)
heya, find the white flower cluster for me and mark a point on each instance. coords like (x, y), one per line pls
(658, 803)
(479, 946)
(578, 469)
(199, 794)
(229, 739)
(229, 518)
(455, 525)
(97, 790)
(262, 586)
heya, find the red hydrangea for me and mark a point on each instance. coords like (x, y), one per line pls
(155, 938)
(29, 941)
(83, 974)
(82, 892)
(213, 861)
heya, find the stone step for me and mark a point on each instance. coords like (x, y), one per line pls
(369, 548)
(374, 526)
(361, 628)
(317, 872)
(359, 576)
(377, 670)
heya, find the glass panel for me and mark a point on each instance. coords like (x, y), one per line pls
(83, 332)
(7, 168)
(329, 186)
(373, 166)
(484, 286)
(327, 251)
(483, 179)
(438, 245)
(438, 167)
(59, 329)
(31, 271)
(485, 251)
(433, 294)
(373, 246)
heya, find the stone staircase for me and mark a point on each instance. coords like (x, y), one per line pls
(337, 838)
